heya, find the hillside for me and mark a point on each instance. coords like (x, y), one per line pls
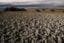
(32, 26)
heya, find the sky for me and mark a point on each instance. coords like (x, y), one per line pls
(34, 1)
(19, 0)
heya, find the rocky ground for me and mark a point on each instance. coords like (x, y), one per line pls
(19, 27)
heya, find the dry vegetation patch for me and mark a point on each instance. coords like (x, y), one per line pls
(32, 27)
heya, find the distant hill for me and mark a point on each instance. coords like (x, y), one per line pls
(23, 5)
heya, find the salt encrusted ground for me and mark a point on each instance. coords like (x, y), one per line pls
(32, 27)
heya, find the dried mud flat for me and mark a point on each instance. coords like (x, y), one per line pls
(32, 26)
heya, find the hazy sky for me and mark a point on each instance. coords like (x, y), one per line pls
(34, 1)
(20, 0)
(31, 0)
